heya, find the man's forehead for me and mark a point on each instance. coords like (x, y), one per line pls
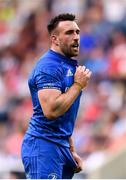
(67, 25)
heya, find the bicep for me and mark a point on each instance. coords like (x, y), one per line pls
(47, 99)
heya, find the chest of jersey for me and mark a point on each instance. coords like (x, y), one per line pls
(68, 76)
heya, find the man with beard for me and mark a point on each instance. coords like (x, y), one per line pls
(56, 84)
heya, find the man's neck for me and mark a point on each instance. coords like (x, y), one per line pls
(56, 49)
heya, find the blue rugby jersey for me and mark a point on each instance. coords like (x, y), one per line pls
(53, 71)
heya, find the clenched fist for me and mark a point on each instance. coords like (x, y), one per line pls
(82, 76)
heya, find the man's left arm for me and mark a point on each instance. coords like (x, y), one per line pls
(76, 157)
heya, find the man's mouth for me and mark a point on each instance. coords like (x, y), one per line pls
(75, 45)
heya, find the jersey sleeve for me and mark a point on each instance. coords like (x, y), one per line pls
(49, 77)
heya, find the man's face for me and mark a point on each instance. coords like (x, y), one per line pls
(68, 38)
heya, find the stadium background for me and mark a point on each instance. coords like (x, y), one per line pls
(100, 132)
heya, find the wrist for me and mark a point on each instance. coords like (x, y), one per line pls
(78, 85)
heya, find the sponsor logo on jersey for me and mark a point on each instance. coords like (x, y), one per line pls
(52, 176)
(69, 73)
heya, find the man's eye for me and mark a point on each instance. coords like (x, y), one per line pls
(78, 32)
(69, 32)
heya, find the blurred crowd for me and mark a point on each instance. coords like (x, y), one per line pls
(101, 126)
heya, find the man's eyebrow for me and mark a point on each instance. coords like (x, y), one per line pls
(72, 30)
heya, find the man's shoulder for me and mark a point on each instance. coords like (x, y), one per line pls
(46, 65)
(48, 62)
(47, 59)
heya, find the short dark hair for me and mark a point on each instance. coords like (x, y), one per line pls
(61, 17)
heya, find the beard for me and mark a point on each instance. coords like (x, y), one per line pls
(69, 51)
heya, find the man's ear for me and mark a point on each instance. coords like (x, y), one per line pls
(55, 40)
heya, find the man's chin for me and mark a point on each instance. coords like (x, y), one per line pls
(75, 54)
(72, 54)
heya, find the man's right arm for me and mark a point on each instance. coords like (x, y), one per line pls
(54, 103)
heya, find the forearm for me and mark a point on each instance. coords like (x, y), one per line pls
(75, 156)
(65, 100)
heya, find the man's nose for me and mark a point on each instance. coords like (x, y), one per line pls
(76, 36)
